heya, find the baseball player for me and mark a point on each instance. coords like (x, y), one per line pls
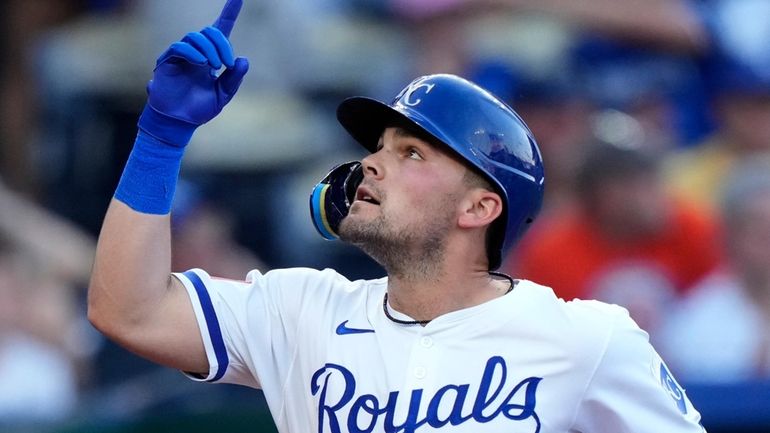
(452, 179)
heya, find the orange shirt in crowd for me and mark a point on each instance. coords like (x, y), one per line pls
(566, 252)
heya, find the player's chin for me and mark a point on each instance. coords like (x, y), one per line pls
(353, 226)
(347, 229)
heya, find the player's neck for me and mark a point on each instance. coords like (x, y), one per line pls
(453, 289)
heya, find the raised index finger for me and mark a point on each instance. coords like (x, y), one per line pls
(226, 20)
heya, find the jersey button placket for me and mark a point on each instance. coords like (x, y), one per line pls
(425, 355)
(426, 342)
(420, 372)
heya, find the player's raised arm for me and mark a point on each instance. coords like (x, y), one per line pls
(132, 297)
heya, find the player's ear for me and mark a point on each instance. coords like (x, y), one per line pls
(479, 208)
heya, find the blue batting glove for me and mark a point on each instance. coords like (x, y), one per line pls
(186, 91)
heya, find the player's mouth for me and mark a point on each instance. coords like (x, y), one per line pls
(366, 195)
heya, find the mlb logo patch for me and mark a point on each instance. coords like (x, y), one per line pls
(672, 387)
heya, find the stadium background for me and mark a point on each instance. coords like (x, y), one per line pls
(645, 75)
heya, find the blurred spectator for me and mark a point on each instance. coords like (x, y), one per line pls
(721, 331)
(662, 90)
(60, 248)
(203, 237)
(44, 338)
(445, 29)
(37, 376)
(21, 23)
(624, 241)
(737, 71)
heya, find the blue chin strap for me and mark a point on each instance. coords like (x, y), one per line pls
(331, 198)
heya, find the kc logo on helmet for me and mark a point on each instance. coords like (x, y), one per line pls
(407, 96)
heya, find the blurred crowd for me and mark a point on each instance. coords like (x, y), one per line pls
(653, 117)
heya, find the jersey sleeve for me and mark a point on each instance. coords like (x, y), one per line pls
(249, 327)
(632, 389)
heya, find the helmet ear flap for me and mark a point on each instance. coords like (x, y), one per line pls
(331, 198)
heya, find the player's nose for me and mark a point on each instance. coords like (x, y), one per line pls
(372, 166)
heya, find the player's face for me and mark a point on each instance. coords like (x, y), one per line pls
(406, 205)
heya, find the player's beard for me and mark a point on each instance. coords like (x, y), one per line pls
(414, 252)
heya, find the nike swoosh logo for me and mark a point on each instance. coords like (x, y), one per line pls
(342, 329)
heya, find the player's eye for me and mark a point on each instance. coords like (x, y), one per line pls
(413, 153)
(380, 145)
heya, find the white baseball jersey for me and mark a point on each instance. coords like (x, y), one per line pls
(329, 360)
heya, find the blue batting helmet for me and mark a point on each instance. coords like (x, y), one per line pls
(480, 128)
